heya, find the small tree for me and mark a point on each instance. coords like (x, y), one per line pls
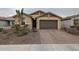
(18, 29)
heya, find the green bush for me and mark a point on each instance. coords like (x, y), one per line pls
(77, 26)
(12, 26)
(65, 29)
(22, 33)
(72, 30)
(20, 30)
(1, 29)
(26, 28)
(16, 28)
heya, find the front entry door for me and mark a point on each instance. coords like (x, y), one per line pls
(33, 23)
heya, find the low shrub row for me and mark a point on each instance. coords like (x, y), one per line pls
(1, 29)
(34, 30)
(20, 31)
(72, 30)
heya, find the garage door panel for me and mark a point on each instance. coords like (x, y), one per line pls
(48, 24)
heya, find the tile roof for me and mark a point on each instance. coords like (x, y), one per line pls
(69, 17)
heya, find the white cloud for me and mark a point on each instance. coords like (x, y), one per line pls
(59, 11)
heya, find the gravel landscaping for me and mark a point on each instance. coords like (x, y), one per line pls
(40, 37)
(11, 38)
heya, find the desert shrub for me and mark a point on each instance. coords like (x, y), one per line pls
(76, 21)
(34, 30)
(77, 26)
(1, 29)
(20, 30)
(12, 26)
(16, 28)
(21, 33)
(72, 30)
(65, 28)
(26, 27)
(72, 26)
(23, 30)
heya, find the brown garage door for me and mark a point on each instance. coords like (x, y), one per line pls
(48, 24)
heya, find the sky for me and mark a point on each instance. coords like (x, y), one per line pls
(63, 12)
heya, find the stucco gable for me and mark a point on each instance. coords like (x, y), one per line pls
(49, 14)
(38, 12)
(26, 15)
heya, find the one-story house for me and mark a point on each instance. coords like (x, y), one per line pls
(38, 20)
(70, 21)
(42, 20)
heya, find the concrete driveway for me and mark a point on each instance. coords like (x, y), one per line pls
(57, 37)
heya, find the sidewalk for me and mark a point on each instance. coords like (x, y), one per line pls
(40, 47)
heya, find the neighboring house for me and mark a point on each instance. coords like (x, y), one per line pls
(70, 21)
(6, 22)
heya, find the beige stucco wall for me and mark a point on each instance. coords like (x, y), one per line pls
(28, 21)
(68, 23)
(17, 20)
(59, 24)
(49, 18)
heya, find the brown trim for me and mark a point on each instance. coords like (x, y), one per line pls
(37, 12)
(69, 17)
(50, 14)
(27, 15)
